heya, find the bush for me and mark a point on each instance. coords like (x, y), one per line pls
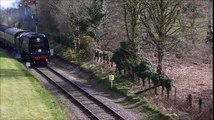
(68, 54)
(67, 41)
(124, 57)
(87, 45)
(85, 42)
(143, 70)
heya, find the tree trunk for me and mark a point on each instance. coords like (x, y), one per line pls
(149, 82)
(160, 58)
(77, 35)
(192, 24)
(162, 90)
(143, 82)
(126, 23)
(167, 94)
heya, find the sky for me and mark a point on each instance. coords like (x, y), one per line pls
(4, 4)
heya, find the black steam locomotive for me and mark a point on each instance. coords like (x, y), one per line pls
(32, 46)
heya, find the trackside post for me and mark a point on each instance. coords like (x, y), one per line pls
(111, 78)
(52, 52)
(27, 64)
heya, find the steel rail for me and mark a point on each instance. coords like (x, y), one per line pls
(88, 94)
(88, 112)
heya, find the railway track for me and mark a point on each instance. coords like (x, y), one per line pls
(91, 106)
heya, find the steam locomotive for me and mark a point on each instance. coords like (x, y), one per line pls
(32, 46)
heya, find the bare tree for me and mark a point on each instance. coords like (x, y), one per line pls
(159, 19)
(209, 37)
(132, 12)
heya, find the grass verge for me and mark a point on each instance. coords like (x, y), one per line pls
(22, 96)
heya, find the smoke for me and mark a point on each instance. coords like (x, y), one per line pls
(7, 4)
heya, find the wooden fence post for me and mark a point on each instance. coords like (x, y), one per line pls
(112, 63)
(107, 60)
(200, 104)
(103, 57)
(162, 90)
(97, 56)
(175, 93)
(211, 109)
(167, 93)
(100, 56)
(190, 100)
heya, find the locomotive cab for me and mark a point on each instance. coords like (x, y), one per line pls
(34, 47)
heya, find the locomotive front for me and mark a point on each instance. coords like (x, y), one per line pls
(34, 47)
(39, 49)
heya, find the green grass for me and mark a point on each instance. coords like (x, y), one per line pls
(21, 95)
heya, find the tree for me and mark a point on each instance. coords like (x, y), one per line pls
(191, 13)
(96, 15)
(209, 37)
(123, 57)
(159, 19)
(48, 23)
(132, 11)
(72, 14)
